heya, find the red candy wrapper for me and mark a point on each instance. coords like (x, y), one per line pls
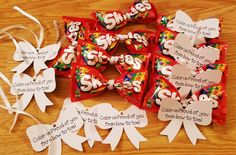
(62, 63)
(160, 89)
(141, 11)
(165, 38)
(91, 55)
(136, 41)
(163, 65)
(214, 93)
(217, 95)
(87, 83)
(76, 28)
(95, 57)
(132, 62)
(108, 41)
(139, 41)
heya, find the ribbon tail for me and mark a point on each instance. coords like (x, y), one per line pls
(134, 136)
(42, 100)
(91, 133)
(74, 141)
(114, 137)
(5, 100)
(193, 132)
(172, 129)
(23, 102)
(22, 67)
(56, 30)
(14, 122)
(18, 27)
(28, 115)
(55, 147)
(41, 34)
(39, 65)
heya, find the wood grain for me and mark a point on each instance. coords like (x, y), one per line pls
(220, 139)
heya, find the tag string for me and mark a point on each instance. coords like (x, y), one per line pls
(41, 34)
(12, 38)
(4, 30)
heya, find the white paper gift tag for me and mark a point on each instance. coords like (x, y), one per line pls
(183, 78)
(8, 106)
(29, 54)
(90, 117)
(199, 112)
(118, 121)
(184, 23)
(65, 128)
(184, 53)
(29, 87)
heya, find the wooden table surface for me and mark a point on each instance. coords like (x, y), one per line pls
(220, 139)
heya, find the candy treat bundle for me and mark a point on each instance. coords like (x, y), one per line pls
(177, 71)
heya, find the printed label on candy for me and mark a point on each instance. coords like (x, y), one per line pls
(141, 6)
(113, 19)
(140, 11)
(73, 30)
(87, 82)
(76, 28)
(184, 53)
(68, 55)
(99, 59)
(95, 57)
(209, 28)
(184, 79)
(105, 41)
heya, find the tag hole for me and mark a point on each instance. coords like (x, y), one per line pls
(54, 125)
(184, 107)
(34, 80)
(121, 113)
(86, 109)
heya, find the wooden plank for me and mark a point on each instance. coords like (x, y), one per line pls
(220, 139)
